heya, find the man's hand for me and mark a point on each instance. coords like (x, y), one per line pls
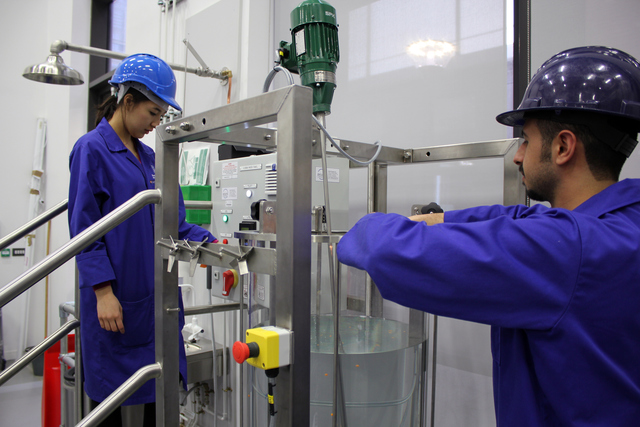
(430, 219)
(109, 310)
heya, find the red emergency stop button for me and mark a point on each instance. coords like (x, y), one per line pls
(230, 280)
(225, 241)
(242, 351)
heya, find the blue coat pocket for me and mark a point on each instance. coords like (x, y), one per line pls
(138, 318)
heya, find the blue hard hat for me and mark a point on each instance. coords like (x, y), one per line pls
(152, 72)
(595, 79)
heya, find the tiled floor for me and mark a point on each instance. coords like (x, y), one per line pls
(21, 400)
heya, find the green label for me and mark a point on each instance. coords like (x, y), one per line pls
(5, 253)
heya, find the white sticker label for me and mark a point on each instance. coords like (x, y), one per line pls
(334, 174)
(260, 292)
(300, 44)
(251, 167)
(226, 235)
(230, 193)
(229, 170)
(249, 186)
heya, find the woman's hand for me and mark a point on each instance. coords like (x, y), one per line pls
(109, 310)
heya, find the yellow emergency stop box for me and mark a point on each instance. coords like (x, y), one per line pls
(275, 347)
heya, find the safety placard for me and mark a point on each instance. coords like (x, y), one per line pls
(333, 175)
(230, 193)
(229, 170)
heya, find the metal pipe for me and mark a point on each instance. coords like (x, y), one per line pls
(241, 365)
(64, 310)
(78, 243)
(67, 308)
(434, 346)
(122, 393)
(79, 394)
(59, 46)
(37, 350)
(215, 308)
(33, 224)
(198, 204)
(68, 360)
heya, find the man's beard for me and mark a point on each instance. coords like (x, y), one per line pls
(542, 189)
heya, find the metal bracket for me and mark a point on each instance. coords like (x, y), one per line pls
(173, 249)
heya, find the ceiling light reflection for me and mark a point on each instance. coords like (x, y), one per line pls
(431, 52)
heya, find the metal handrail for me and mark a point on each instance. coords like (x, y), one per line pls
(33, 224)
(122, 393)
(37, 350)
(78, 243)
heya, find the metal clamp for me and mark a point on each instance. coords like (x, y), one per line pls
(240, 258)
(173, 249)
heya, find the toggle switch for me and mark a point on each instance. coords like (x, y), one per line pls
(230, 280)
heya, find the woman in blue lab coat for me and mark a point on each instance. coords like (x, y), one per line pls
(109, 165)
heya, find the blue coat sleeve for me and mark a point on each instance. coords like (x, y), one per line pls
(191, 232)
(484, 213)
(88, 190)
(503, 272)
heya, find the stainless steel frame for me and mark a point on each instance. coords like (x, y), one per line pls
(75, 245)
(55, 260)
(33, 224)
(291, 108)
(236, 123)
(37, 350)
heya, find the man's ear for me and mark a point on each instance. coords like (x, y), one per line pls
(565, 146)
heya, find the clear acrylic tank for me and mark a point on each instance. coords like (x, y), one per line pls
(381, 362)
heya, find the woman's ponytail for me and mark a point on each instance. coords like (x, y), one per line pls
(106, 109)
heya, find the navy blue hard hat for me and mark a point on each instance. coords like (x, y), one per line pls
(594, 79)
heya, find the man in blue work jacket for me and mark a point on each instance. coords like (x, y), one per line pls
(560, 286)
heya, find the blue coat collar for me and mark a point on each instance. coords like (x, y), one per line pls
(616, 196)
(115, 144)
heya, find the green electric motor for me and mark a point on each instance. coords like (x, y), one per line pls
(314, 52)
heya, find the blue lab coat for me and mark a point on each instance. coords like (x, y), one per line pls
(104, 175)
(560, 288)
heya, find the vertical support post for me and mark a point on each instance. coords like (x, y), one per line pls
(376, 202)
(514, 193)
(293, 299)
(79, 383)
(521, 49)
(166, 288)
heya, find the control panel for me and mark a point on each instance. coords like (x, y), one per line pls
(238, 186)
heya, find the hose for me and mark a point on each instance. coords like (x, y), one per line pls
(273, 73)
(344, 153)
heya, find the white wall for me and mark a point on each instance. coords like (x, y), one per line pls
(29, 28)
(562, 25)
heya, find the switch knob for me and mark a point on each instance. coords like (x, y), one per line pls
(230, 280)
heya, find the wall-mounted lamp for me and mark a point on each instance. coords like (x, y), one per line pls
(55, 71)
(431, 52)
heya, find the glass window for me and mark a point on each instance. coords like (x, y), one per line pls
(118, 26)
